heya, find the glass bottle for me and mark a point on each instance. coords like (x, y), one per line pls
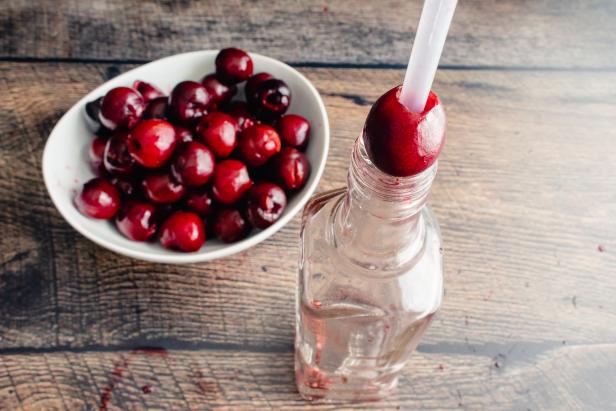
(370, 282)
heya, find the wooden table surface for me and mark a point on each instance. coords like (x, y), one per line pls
(526, 197)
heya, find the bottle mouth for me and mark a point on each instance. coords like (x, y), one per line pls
(372, 182)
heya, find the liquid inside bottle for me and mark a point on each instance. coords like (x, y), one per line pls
(370, 282)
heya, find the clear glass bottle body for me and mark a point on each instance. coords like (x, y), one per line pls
(370, 282)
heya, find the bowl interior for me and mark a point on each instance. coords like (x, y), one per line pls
(66, 165)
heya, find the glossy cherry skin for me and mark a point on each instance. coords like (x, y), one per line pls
(188, 102)
(271, 99)
(266, 202)
(291, 168)
(220, 92)
(402, 143)
(200, 201)
(152, 142)
(183, 231)
(117, 159)
(230, 226)
(257, 144)
(147, 91)
(231, 180)
(121, 109)
(193, 164)
(160, 188)
(233, 65)
(157, 108)
(98, 198)
(92, 109)
(253, 82)
(294, 130)
(97, 153)
(240, 111)
(219, 131)
(136, 220)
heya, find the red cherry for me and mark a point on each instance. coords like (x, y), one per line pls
(230, 181)
(402, 143)
(147, 91)
(117, 159)
(98, 198)
(183, 135)
(253, 82)
(266, 202)
(160, 188)
(136, 220)
(294, 130)
(188, 102)
(230, 226)
(291, 168)
(233, 65)
(152, 142)
(200, 201)
(157, 108)
(219, 131)
(97, 153)
(193, 164)
(257, 144)
(271, 99)
(126, 185)
(220, 92)
(241, 113)
(121, 108)
(183, 231)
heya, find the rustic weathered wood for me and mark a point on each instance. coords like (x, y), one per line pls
(525, 196)
(565, 377)
(540, 33)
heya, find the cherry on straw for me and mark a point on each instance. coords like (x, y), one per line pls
(431, 34)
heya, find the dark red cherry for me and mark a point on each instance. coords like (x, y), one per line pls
(402, 143)
(147, 91)
(117, 159)
(257, 144)
(233, 65)
(231, 180)
(219, 131)
(157, 108)
(98, 198)
(97, 153)
(221, 93)
(266, 202)
(294, 130)
(240, 111)
(200, 201)
(152, 142)
(183, 231)
(291, 168)
(160, 188)
(230, 226)
(193, 164)
(271, 99)
(126, 184)
(93, 108)
(253, 82)
(188, 102)
(183, 134)
(136, 220)
(121, 109)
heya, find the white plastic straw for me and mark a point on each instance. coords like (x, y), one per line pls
(431, 34)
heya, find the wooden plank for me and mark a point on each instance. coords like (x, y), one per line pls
(525, 195)
(564, 377)
(541, 33)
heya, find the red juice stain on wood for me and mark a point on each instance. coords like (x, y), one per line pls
(325, 9)
(121, 367)
(146, 389)
(600, 248)
(441, 367)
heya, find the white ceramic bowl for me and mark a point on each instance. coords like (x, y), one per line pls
(66, 167)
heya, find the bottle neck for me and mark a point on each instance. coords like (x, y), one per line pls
(379, 223)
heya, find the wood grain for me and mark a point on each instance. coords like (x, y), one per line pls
(565, 377)
(536, 33)
(525, 195)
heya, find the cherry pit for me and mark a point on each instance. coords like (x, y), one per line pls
(198, 161)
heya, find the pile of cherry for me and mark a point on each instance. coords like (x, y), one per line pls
(176, 166)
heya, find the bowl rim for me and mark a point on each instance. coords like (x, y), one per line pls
(199, 256)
